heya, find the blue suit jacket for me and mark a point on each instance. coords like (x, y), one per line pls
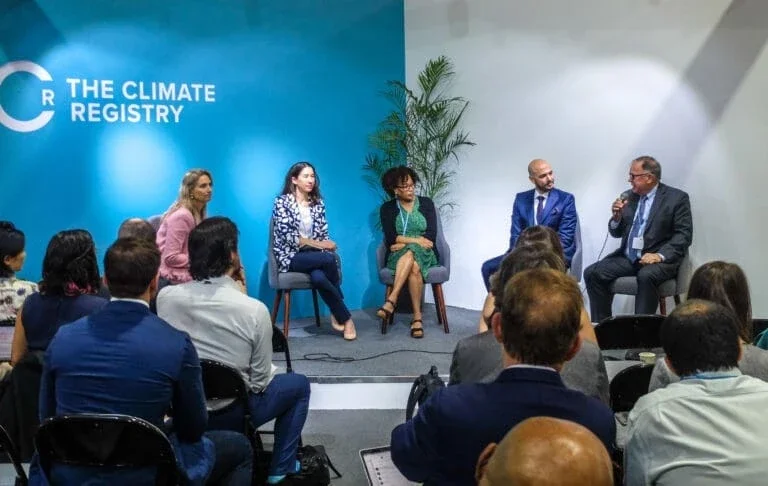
(559, 214)
(442, 443)
(126, 360)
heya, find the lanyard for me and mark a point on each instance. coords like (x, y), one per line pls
(715, 375)
(403, 220)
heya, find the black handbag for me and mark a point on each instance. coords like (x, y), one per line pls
(314, 467)
(423, 387)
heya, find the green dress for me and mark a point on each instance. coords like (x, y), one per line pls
(415, 225)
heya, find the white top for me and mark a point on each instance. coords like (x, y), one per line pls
(225, 325)
(536, 195)
(305, 222)
(702, 432)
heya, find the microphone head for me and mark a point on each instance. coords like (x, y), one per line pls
(625, 195)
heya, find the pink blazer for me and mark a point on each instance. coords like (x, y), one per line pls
(172, 239)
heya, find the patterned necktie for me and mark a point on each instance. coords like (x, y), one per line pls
(539, 209)
(639, 221)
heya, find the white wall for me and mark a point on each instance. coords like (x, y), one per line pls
(589, 85)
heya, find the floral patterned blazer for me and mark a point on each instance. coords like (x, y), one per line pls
(285, 233)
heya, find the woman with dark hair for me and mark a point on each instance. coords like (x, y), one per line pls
(12, 255)
(409, 223)
(529, 236)
(184, 214)
(67, 292)
(725, 284)
(302, 244)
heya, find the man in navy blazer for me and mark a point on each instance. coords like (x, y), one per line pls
(126, 360)
(538, 325)
(656, 228)
(542, 205)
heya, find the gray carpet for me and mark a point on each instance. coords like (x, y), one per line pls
(306, 338)
(345, 432)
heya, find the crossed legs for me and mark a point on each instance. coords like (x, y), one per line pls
(407, 271)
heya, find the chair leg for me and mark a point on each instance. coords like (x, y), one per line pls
(386, 321)
(437, 291)
(317, 309)
(287, 312)
(276, 306)
(663, 306)
(437, 303)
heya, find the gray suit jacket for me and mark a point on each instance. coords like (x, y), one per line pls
(477, 359)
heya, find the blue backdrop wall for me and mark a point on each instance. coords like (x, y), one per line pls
(136, 92)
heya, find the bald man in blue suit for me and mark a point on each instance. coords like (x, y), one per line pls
(542, 205)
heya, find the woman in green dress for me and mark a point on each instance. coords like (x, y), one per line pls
(410, 229)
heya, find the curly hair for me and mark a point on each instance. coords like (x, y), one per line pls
(396, 176)
(70, 263)
(12, 243)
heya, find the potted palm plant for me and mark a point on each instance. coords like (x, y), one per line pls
(423, 131)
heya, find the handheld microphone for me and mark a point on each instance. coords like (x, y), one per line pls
(624, 196)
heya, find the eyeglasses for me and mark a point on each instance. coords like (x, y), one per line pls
(406, 187)
(632, 176)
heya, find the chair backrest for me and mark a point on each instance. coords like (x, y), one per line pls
(443, 249)
(7, 446)
(109, 441)
(628, 386)
(684, 274)
(628, 332)
(223, 386)
(577, 260)
(272, 270)
(280, 345)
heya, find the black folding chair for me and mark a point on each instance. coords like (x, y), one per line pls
(280, 345)
(7, 446)
(628, 386)
(629, 332)
(108, 441)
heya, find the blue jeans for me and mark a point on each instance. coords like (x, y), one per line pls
(324, 275)
(285, 399)
(234, 459)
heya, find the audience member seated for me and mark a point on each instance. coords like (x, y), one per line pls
(409, 223)
(539, 327)
(570, 454)
(187, 212)
(709, 428)
(125, 360)
(228, 326)
(533, 235)
(137, 228)
(725, 284)
(67, 292)
(12, 255)
(478, 358)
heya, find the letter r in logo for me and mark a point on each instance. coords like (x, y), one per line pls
(45, 116)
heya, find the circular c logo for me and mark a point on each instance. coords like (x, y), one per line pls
(40, 120)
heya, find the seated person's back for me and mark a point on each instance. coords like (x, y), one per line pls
(710, 427)
(539, 326)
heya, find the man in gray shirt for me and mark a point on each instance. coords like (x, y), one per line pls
(228, 326)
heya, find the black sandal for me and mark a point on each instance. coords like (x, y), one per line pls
(417, 332)
(384, 313)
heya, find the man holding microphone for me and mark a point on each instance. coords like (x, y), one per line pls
(654, 223)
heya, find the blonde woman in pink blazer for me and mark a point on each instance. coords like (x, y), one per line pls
(183, 215)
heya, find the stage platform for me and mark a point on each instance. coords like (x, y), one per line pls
(399, 356)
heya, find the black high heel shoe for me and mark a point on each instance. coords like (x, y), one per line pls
(384, 313)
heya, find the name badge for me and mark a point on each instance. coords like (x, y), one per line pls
(637, 243)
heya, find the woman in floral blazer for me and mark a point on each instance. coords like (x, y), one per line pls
(301, 242)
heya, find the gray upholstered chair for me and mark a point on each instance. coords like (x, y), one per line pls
(577, 260)
(284, 282)
(155, 221)
(671, 288)
(436, 276)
